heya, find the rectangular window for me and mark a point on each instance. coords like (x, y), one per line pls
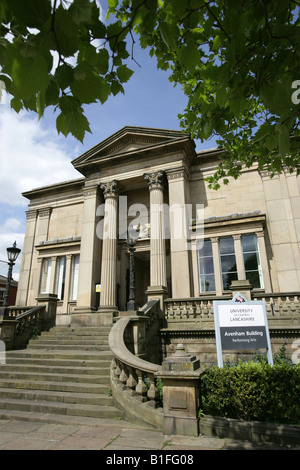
(228, 261)
(46, 275)
(74, 277)
(252, 261)
(60, 277)
(206, 268)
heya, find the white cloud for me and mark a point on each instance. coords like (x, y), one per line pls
(6, 240)
(30, 156)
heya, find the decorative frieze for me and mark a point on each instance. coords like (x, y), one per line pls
(31, 214)
(45, 212)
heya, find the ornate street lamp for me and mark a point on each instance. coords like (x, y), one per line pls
(12, 254)
(132, 238)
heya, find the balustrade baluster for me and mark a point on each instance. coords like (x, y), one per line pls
(131, 381)
(153, 392)
(124, 375)
(141, 388)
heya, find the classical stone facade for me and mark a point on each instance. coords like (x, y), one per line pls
(202, 240)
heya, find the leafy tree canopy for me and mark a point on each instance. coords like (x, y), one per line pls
(236, 60)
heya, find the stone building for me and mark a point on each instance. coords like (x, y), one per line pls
(192, 250)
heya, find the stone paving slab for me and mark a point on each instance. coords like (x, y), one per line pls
(110, 437)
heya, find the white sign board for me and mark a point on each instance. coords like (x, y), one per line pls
(240, 326)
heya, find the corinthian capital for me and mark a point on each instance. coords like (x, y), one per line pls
(110, 189)
(155, 180)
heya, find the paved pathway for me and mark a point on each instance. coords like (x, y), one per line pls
(109, 435)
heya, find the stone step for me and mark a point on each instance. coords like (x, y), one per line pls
(81, 355)
(82, 378)
(95, 411)
(54, 369)
(71, 338)
(56, 396)
(62, 376)
(51, 386)
(62, 346)
(52, 418)
(36, 361)
(71, 341)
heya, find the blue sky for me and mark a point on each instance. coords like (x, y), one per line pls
(32, 154)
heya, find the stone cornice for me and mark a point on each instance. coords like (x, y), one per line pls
(97, 163)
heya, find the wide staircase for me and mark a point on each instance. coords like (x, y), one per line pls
(63, 376)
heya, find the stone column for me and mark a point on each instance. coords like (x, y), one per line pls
(67, 283)
(108, 295)
(239, 257)
(41, 235)
(264, 261)
(158, 269)
(90, 256)
(179, 243)
(27, 257)
(217, 265)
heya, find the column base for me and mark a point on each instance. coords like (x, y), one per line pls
(107, 314)
(90, 317)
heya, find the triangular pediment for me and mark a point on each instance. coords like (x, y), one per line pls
(127, 141)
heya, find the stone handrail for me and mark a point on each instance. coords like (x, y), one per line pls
(133, 378)
(19, 323)
(130, 369)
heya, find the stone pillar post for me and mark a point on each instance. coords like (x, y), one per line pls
(158, 268)
(108, 296)
(181, 393)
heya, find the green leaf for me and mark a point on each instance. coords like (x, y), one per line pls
(71, 119)
(29, 75)
(52, 93)
(64, 75)
(124, 73)
(112, 3)
(32, 13)
(216, 43)
(189, 56)
(81, 11)
(16, 104)
(88, 86)
(169, 34)
(66, 33)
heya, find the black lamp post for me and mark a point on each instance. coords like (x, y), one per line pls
(12, 254)
(131, 242)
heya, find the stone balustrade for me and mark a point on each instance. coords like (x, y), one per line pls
(201, 308)
(18, 323)
(134, 379)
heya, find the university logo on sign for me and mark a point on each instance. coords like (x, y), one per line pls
(240, 325)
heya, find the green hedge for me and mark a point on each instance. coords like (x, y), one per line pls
(253, 391)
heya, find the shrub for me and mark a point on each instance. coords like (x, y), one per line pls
(253, 390)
